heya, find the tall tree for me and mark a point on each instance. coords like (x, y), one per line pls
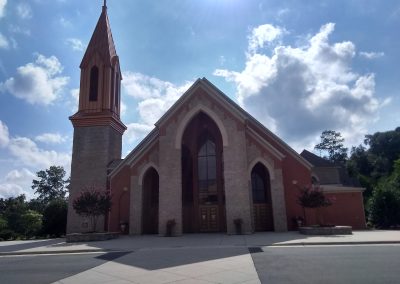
(332, 143)
(51, 184)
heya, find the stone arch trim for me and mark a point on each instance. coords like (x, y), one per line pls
(265, 163)
(144, 171)
(194, 111)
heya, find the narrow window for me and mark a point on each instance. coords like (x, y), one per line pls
(117, 85)
(207, 173)
(259, 182)
(112, 100)
(94, 83)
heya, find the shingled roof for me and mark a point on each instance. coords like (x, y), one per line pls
(101, 41)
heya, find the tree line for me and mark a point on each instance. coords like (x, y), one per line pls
(44, 216)
(376, 165)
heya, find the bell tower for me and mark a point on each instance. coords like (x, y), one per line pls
(98, 128)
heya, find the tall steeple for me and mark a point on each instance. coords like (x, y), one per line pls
(97, 125)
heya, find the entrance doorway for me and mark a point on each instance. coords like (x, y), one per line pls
(262, 203)
(150, 202)
(203, 198)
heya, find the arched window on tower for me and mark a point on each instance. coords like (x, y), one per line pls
(117, 87)
(94, 84)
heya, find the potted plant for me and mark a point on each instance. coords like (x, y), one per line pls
(238, 225)
(170, 227)
(123, 226)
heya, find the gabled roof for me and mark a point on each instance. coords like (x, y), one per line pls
(317, 161)
(226, 102)
(101, 42)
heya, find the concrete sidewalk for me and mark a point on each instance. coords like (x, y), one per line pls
(194, 258)
(133, 243)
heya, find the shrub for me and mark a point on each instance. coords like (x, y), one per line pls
(312, 197)
(55, 218)
(3, 224)
(93, 202)
(31, 221)
(384, 207)
(8, 234)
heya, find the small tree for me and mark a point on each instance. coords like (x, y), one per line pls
(93, 202)
(312, 197)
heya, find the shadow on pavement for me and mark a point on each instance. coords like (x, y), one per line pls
(23, 245)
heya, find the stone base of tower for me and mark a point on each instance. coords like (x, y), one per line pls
(94, 148)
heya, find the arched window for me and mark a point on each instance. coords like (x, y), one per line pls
(117, 87)
(259, 183)
(207, 172)
(94, 84)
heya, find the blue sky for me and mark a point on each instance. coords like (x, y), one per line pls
(300, 67)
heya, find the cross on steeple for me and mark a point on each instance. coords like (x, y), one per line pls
(105, 3)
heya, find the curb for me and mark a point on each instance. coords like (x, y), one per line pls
(17, 253)
(335, 243)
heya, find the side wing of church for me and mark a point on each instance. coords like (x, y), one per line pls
(206, 165)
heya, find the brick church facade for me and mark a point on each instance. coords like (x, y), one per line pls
(206, 163)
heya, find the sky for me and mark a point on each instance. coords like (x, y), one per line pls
(299, 67)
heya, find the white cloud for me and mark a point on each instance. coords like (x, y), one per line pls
(75, 44)
(4, 135)
(154, 97)
(4, 42)
(300, 91)
(37, 82)
(3, 4)
(17, 182)
(371, 55)
(137, 131)
(20, 176)
(8, 190)
(51, 138)
(64, 22)
(264, 34)
(75, 99)
(24, 11)
(31, 155)
(123, 108)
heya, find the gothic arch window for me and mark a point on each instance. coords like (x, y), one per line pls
(94, 84)
(259, 183)
(207, 171)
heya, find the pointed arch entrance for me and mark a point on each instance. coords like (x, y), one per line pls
(150, 202)
(262, 202)
(203, 198)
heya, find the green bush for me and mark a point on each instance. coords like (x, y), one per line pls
(7, 234)
(31, 222)
(384, 206)
(3, 224)
(55, 218)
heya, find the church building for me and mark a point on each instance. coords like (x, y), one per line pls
(205, 166)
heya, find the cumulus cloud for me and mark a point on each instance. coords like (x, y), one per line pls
(8, 190)
(3, 4)
(28, 153)
(154, 98)
(262, 35)
(371, 55)
(24, 11)
(17, 182)
(300, 91)
(4, 135)
(51, 138)
(38, 82)
(75, 44)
